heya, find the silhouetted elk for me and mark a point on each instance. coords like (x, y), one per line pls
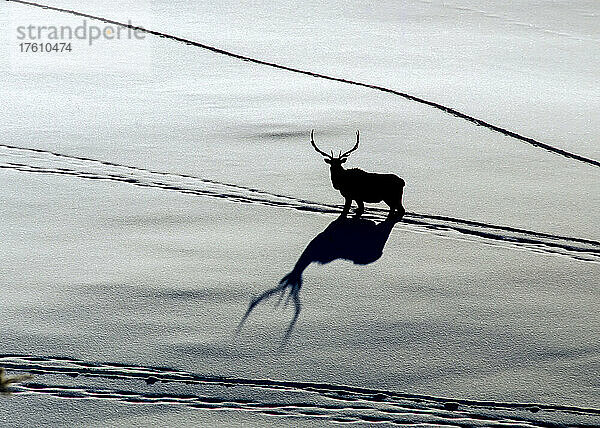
(361, 186)
(358, 240)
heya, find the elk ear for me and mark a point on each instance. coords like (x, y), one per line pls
(343, 160)
(327, 161)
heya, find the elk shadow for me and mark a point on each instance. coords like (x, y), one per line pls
(357, 240)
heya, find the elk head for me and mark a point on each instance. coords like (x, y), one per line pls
(334, 161)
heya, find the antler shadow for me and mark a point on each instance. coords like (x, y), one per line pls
(360, 241)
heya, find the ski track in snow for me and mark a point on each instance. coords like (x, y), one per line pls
(68, 378)
(47, 162)
(407, 96)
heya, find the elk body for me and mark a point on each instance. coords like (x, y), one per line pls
(361, 186)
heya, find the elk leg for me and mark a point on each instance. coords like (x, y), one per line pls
(397, 207)
(393, 207)
(401, 212)
(346, 207)
(361, 208)
(391, 213)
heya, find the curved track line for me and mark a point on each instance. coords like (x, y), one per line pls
(48, 162)
(438, 106)
(511, 21)
(327, 401)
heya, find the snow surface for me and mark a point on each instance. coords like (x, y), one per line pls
(116, 262)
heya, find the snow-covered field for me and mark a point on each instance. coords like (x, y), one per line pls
(149, 189)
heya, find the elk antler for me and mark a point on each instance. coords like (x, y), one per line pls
(353, 148)
(312, 141)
